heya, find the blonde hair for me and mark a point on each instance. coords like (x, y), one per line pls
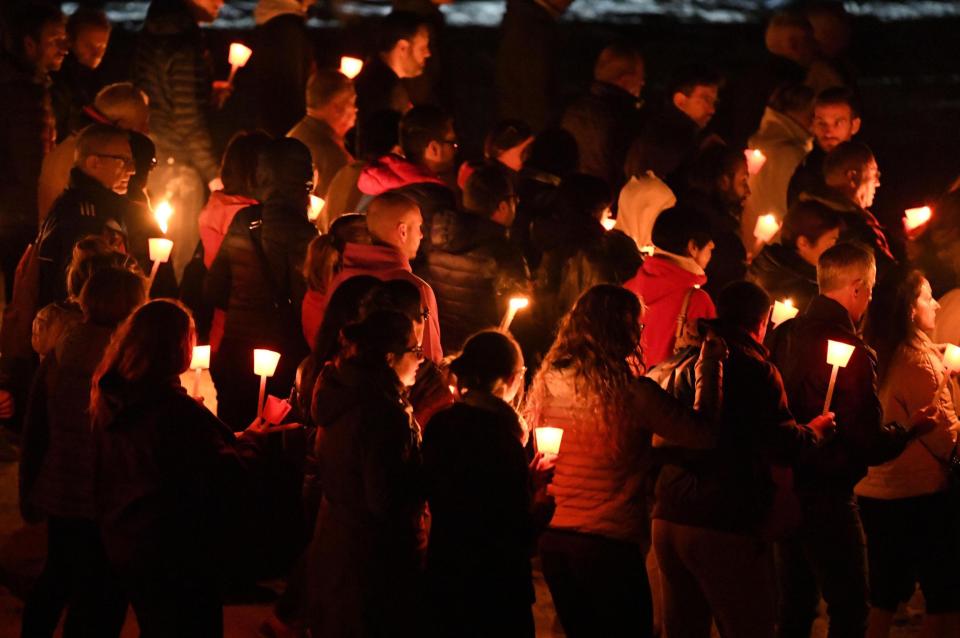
(842, 264)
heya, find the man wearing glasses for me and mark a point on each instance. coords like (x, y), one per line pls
(94, 204)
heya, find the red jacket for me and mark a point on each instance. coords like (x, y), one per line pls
(662, 283)
(390, 172)
(386, 263)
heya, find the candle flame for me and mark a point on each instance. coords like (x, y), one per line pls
(162, 213)
(755, 160)
(350, 67)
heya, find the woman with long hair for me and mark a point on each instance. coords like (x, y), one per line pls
(367, 544)
(479, 488)
(907, 504)
(590, 385)
(170, 476)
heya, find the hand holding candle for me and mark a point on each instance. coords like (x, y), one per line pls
(838, 356)
(239, 55)
(755, 160)
(199, 363)
(159, 254)
(350, 67)
(264, 365)
(783, 310)
(767, 227)
(515, 304)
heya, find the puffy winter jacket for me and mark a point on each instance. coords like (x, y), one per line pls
(171, 65)
(662, 284)
(472, 267)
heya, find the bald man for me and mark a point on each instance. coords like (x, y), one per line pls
(122, 105)
(395, 224)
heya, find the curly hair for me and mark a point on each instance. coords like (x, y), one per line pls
(599, 339)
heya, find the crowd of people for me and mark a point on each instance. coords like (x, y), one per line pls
(599, 270)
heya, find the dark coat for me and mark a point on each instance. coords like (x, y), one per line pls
(379, 89)
(328, 154)
(482, 531)
(604, 121)
(281, 66)
(536, 191)
(171, 65)
(729, 261)
(799, 349)
(784, 275)
(672, 139)
(808, 176)
(730, 488)
(366, 551)
(857, 225)
(74, 87)
(525, 77)
(85, 208)
(171, 482)
(472, 267)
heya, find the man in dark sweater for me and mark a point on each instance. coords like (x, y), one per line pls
(826, 554)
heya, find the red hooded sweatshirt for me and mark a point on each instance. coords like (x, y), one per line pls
(390, 172)
(386, 263)
(661, 283)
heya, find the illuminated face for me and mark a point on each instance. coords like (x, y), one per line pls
(701, 255)
(48, 50)
(112, 165)
(90, 45)
(925, 309)
(869, 183)
(834, 124)
(700, 105)
(415, 53)
(343, 111)
(736, 187)
(407, 363)
(411, 233)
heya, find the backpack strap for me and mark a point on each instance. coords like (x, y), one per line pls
(682, 317)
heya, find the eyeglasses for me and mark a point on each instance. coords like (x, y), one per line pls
(127, 161)
(417, 350)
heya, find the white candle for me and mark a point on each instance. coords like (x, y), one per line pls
(755, 160)
(767, 226)
(162, 213)
(609, 223)
(951, 358)
(515, 304)
(350, 67)
(547, 440)
(159, 248)
(783, 310)
(316, 205)
(838, 356)
(914, 218)
(198, 363)
(648, 250)
(264, 365)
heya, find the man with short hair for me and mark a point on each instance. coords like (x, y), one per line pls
(676, 133)
(331, 112)
(852, 177)
(92, 205)
(402, 51)
(472, 265)
(36, 44)
(826, 554)
(395, 225)
(670, 283)
(76, 82)
(836, 119)
(607, 119)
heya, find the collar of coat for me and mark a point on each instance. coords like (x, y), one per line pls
(826, 310)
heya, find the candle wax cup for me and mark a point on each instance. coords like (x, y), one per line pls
(783, 310)
(767, 227)
(201, 358)
(316, 205)
(159, 249)
(916, 217)
(350, 67)
(755, 160)
(839, 353)
(951, 358)
(265, 362)
(239, 54)
(548, 440)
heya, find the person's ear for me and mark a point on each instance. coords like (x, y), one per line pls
(403, 46)
(853, 178)
(391, 359)
(692, 249)
(854, 126)
(679, 100)
(803, 243)
(403, 230)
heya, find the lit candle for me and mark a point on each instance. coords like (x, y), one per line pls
(648, 250)
(316, 205)
(783, 310)
(914, 218)
(162, 213)
(547, 440)
(159, 248)
(239, 54)
(951, 358)
(199, 363)
(609, 223)
(755, 160)
(767, 226)
(350, 67)
(838, 356)
(264, 365)
(515, 304)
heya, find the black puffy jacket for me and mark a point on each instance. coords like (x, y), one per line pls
(171, 65)
(472, 268)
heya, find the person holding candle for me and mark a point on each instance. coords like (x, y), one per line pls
(590, 385)
(826, 552)
(716, 510)
(670, 284)
(367, 546)
(480, 489)
(172, 480)
(57, 468)
(77, 81)
(907, 504)
(331, 112)
(788, 270)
